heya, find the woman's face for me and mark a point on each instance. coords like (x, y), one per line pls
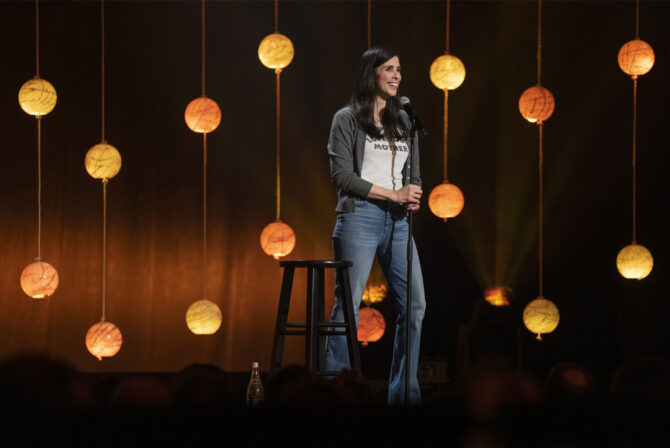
(387, 78)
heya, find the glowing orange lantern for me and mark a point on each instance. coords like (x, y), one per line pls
(447, 72)
(276, 51)
(103, 161)
(446, 201)
(39, 280)
(371, 325)
(202, 115)
(634, 261)
(636, 58)
(104, 339)
(203, 317)
(277, 239)
(37, 97)
(541, 316)
(498, 296)
(536, 104)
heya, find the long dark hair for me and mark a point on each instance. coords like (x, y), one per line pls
(365, 94)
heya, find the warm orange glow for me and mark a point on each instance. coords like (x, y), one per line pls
(497, 296)
(103, 161)
(536, 104)
(37, 97)
(374, 293)
(203, 317)
(276, 51)
(634, 261)
(636, 57)
(541, 316)
(447, 72)
(202, 115)
(104, 339)
(446, 201)
(371, 325)
(277, 239)
(39, 280)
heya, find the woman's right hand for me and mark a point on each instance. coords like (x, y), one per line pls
(409, 194)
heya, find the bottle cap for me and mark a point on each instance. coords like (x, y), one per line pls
(254, 364)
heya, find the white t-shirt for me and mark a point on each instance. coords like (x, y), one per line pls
(383, 161)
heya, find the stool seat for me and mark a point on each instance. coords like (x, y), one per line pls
(315, 328)
(315, 263)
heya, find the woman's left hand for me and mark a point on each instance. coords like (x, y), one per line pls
(412, 207)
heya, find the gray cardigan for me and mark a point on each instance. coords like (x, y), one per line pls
(346, 148)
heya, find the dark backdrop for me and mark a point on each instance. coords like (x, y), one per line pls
(155, 206)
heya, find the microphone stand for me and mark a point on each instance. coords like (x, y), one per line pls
(410, 256)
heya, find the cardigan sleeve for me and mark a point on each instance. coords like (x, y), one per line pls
(341, 147)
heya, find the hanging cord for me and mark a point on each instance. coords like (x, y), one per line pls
(446, 96)
(637, 19)
(39, 188)
(540, 194)
(444, 134)
(104, 244)
(539, 41)
(278, 72)
(204, 216)
(446, 51)
(37, 39)
(102, 66)
(634, 153)
(276, 16)
(541, 151)
(369, 23)
(203, 47)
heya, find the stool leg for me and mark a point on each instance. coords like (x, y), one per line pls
(352, 329)
(320, 313)
(314, 286)
(282, 318)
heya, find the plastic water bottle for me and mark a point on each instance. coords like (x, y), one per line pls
(255, 387)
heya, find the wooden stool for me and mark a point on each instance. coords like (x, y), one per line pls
(315, 325)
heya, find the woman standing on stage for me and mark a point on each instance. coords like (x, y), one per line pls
(368, 149)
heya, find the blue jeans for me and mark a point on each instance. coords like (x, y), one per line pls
(376, 227)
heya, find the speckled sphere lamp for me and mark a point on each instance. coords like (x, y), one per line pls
(536, 105)
(37, 97)
(276, 52)
(541, 316)
(203, 116)
(371, 325)
(103, 162)
(635, 58)
(447, 72)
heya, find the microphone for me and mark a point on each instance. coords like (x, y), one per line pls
(404, 102)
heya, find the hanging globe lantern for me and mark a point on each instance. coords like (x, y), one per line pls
(536, 104)
(104, 339)
(636, 57)
(203, 317)
(37, 97)
(103, 161)
(634, 261)
(277, 239)
(447, 72)
(202, 115)
(276, 51)
(446, 201)
(39, 280)
(371, 325)
(541, 316)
